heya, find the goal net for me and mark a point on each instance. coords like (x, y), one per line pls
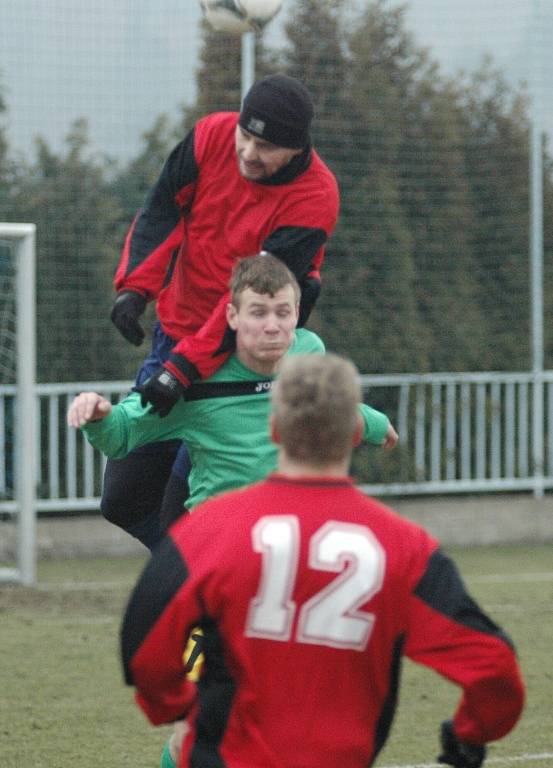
(18, 425)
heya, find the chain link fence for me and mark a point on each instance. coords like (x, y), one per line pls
(437, 121)
(426, 112)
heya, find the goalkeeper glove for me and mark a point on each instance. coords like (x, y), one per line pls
(162, 390)
(125, 312)
(459, 753)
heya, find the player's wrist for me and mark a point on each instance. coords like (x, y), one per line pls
(179, 367)
(176, 373)
(456, 751)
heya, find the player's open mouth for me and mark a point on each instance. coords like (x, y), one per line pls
(252, 166)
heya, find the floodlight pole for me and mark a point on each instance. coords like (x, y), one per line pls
(536, 251)
(248, 62)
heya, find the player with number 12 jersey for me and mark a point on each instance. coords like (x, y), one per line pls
(308, 566)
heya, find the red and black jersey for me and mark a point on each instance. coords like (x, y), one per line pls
(308, 593)
(202, 215)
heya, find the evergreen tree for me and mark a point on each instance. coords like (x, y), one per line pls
(497, 161)
(548, 258)
(436, 196)
(68, 199)
(218, 75)
(315, 55)
(374, 289)
(133, 183)
(3, 143)
(7, 169)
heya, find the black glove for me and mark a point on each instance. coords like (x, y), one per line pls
(162, 390)
(459, 753)
(125, 313)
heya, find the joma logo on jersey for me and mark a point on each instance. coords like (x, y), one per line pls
(264, 386)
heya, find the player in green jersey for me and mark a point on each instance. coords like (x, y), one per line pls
(225, 420)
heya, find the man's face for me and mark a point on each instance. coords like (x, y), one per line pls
(264, 327)
(259, 159)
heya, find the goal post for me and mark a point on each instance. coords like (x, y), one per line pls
(19, 240)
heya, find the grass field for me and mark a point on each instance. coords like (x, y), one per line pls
(63, 703)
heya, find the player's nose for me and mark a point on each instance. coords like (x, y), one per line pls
(249, 152)
(271, 324)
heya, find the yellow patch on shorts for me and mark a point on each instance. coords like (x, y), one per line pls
(192, 660)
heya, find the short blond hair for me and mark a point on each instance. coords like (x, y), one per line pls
(315, 407)
(264, 274)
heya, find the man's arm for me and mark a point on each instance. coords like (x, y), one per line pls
(116, 430)
(378, 429)
(161, 611)
(450, 633)
(87, 407)
(152, 243)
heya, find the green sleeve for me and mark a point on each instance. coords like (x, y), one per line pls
(307, 343)
(376, 424)
(130, 425)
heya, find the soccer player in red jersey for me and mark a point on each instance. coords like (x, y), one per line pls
(237, 184)
(308, 594)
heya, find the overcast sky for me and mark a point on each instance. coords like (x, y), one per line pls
(121, 63)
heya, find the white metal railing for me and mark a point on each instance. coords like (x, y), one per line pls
(69, 471)
(468, 432)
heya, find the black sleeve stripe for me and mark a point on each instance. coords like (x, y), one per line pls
(442, 588)
(160, 213)
(216, 695)
(310, 291)
(296, 247)
(160, 581)
(171, 268)
(187, 368)
(388, 711)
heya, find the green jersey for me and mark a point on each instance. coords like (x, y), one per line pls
(227, 436)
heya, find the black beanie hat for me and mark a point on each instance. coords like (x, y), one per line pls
(278, 109)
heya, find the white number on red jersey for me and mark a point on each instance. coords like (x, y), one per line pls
(331, 616)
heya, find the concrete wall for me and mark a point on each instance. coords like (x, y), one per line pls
(463, 521)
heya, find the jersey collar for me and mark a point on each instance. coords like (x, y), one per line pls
(291, 170)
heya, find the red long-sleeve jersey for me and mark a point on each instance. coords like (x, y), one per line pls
(308, 593)
(202, 215)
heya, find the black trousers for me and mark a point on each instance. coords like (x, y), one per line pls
(136, 494)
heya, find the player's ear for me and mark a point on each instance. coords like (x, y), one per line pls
(231, 316)
(358, 432)
(275, 437)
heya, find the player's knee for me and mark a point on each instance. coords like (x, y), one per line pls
(116, 505)
(133, 486)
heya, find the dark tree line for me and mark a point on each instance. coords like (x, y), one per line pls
(428, 268)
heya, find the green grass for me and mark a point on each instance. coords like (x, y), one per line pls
(63, 702)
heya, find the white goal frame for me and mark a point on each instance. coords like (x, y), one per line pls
(26, 431)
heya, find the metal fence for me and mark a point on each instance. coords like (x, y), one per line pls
(471, 432)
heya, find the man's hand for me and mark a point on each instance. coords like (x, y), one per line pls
(88, 406)
(162, 390)
(178, 736)
(390, 439)
(459, 753)
(128, 307)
